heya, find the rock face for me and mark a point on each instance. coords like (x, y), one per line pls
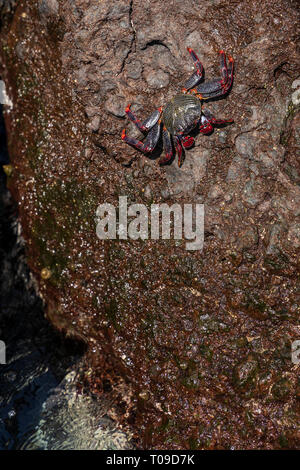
(40, 405)
(195, 346)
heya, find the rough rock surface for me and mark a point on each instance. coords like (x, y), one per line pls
(198, 344)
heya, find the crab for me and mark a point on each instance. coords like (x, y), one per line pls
(183, 113)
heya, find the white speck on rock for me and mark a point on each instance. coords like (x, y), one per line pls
(296, 83)
(296, 97)
(296, 93)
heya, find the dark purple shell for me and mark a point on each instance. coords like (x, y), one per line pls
(181, 113)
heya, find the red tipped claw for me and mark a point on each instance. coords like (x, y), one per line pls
(123, 134)
(127, 108)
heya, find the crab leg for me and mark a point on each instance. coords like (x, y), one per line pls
(197, 75)
(206, 127)
(218, 87)
(151, 140)
(196, 60)
(211, 118)
(187, 141)
(168, 147)
(225, 86)
(179, 150)
(224, 70)
(148, 123)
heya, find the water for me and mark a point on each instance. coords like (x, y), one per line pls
(71, 421)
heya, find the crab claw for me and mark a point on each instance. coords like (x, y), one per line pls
(123, 136)
(188, 142)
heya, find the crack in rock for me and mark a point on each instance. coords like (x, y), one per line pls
(133, 39)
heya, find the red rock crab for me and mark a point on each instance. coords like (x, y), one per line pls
(183, 113)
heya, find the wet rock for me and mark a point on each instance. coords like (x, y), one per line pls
(161, 58)
(222, 136)
(273, 239)
(157, 79)
(81, 75)
(215, 192)
(293, 235)
(199, 159)
(247, 238)
(148, 170)
(296, 83)
(245, 145)
(95, 13)
(81, 37)
(196, 42)
(118, 11)
(134, 69)
(252, 192)
(245, 372)
(21, 50)
(296, 93)
(236, 169)
(148, 192)
(116, 105)
(94, 124)
(106, 86)
(48, 9)
(281, 388)
(244, 282)
(91, 111)
(298, 389)
(165, 193)
(292, 173)
(7, 6)
(146, 34)
(179, 181)
(41, 374)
